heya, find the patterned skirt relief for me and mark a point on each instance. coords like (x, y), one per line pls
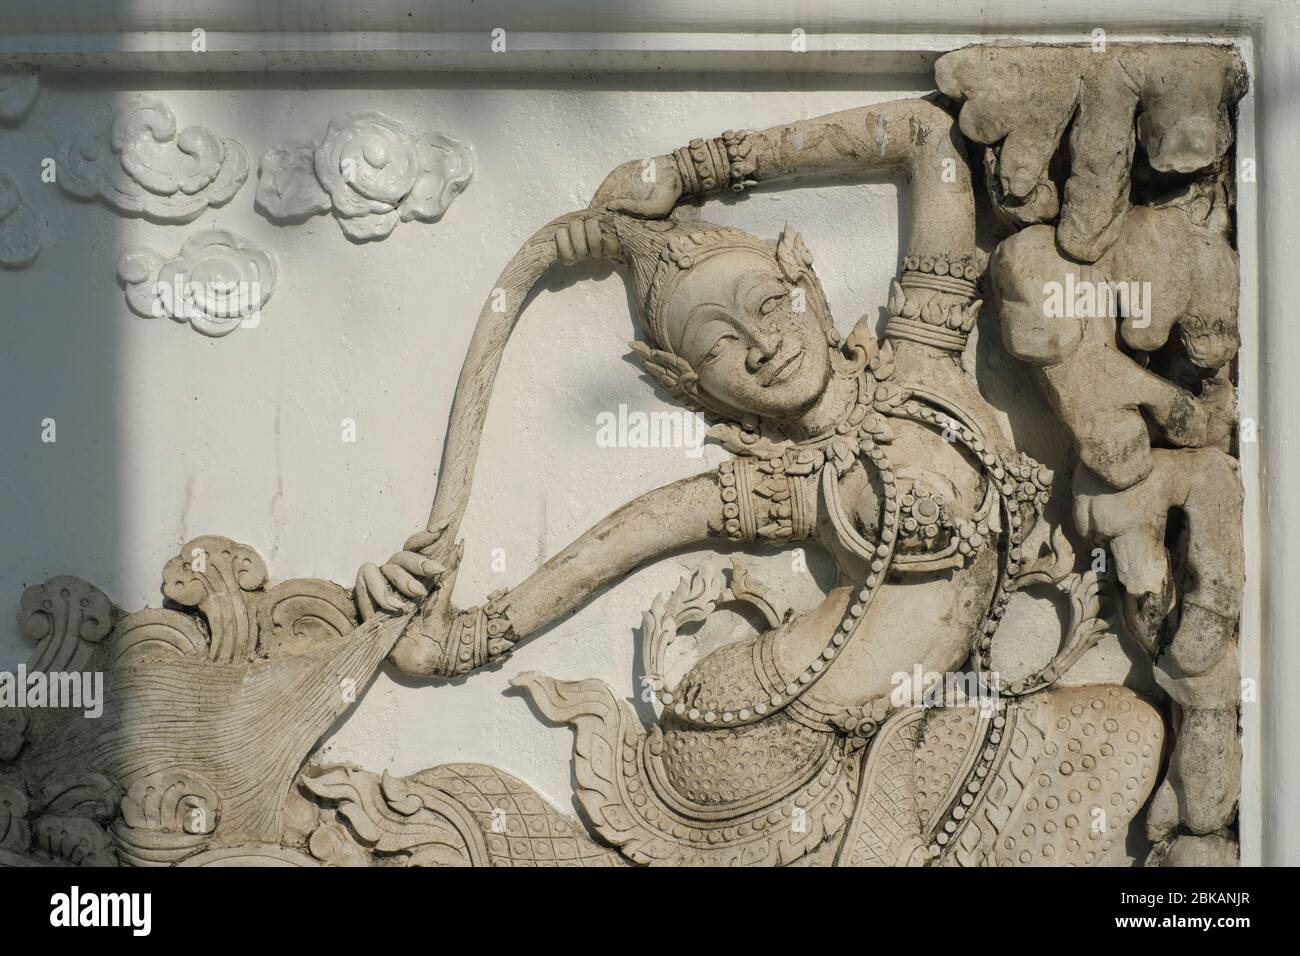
(741, 765)
(1051, 780)
(1080, 764)
(736, 767)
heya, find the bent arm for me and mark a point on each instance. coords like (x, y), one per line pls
(914, 135)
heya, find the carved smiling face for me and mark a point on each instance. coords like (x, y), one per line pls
(756, 341)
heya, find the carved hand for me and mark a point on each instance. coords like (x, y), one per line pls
(641, 187)
(587, 236)
(403, 578)
(424, 647)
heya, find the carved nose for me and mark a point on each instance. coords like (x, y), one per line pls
(761, 353)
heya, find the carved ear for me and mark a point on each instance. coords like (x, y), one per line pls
(671, 371)
(792, 255)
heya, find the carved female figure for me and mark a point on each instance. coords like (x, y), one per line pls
(795, 743)
(787, 746)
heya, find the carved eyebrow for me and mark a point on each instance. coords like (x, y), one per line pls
(716, 311)
(754, 295)
(767, 285)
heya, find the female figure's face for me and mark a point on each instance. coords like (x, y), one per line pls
(756, 342)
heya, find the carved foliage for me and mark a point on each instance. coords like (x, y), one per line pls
(76, 841)
(90, 795)
(225, 581)
(166, 817)
(213, 574)
(392, 817)
(302, 613)
(157, 634)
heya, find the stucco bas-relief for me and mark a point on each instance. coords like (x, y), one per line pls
(142, 163)
(217, 282)
(21, 232)
(1113, 282)
(18, 91)
(372, 171)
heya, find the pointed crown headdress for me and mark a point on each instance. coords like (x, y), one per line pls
(659, 253)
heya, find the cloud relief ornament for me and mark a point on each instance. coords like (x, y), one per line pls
(142, 165)
(370, 170)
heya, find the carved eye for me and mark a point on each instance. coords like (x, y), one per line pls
(771, 303)
(716, 351)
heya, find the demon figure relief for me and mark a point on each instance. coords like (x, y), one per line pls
(1107, 271)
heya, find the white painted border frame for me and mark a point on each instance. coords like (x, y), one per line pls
(843, 37)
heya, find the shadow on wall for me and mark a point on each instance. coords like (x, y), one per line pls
(64, 471)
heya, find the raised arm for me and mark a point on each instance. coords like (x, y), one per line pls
(915, 136)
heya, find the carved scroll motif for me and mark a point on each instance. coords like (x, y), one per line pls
(65, 617)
